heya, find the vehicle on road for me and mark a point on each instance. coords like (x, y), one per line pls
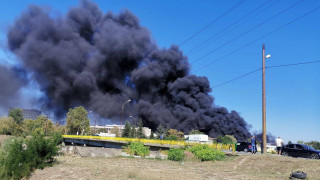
(244, 146)
(300, 150)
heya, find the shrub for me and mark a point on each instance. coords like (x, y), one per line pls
(137, 148)
(176, 154)
(20, 156)
(206, 153)
(171, 137)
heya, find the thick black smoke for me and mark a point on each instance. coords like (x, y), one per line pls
(270, 138)
(11, 80)
(101, 60)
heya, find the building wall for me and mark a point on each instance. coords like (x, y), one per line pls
(31, 113)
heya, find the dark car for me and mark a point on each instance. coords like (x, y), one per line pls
(300, 150)
(244, 146)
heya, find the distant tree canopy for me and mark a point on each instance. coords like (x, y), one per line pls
(314, 144)
(161, 130)
(195, 131)
(17, 115)
(127, 130)
(173, 134)
(226, 139)
(78, 121)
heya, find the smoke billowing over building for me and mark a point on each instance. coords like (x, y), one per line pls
(101, 60)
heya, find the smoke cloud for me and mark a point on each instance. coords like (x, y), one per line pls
(101, 60)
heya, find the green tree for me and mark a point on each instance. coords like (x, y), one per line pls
(127, 130)
(8, 126)
(16, 114)
(195, 131)
(314, 144)
(173, 134)
(300, 142)
(78, 121)
(289, 142)
(140, 133)
(133, 131)
(151, 135)
(161, 130)
(224, 139)
(115, 131)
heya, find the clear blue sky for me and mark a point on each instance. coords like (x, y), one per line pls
(293, 99)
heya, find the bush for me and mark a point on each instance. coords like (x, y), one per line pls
(137, 148)
(206, 153)
(20, 156)
(176, 154)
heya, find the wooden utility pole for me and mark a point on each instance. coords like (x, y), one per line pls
(264, 128)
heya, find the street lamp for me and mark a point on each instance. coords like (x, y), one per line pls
(122, 111)
(134, 120)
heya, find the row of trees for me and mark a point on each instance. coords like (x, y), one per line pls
(314, 144)
(130, 131)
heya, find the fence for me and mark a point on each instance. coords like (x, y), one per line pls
(219, 146)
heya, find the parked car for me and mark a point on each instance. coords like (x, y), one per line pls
(244, 146)
(300, 150)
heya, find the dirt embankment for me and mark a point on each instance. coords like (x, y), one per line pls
(242, 167)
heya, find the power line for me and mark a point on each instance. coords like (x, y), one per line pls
(241, 76)
(295, 64)
(242, 34)
(251, 72)
(263, 36)
(204, 43)
(208, 25)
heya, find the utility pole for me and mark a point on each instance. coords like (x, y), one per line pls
(264, 128)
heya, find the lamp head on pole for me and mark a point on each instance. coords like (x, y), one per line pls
(268, 56)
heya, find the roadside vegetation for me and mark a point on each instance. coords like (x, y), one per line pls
(137, 148)
(21, 156)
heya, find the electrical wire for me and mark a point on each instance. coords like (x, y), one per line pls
(263, 36)
(204, 43)
(276, 66)
(242, 34)
(212, 22)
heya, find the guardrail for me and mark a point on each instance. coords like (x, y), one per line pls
(219, 146)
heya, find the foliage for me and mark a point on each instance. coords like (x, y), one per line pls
(115, 131)
(289, 142)
(16, 114)
(127, 130)
(300, 142)
(78, 121)
(176, 154)
(314, 144)
(171, 137)
(137, 148)
(8, 126)
(133, 132)
(227, 139)
(20, 157)
(151, 135)
(161, 130)
(140, 133)
(206, 153)
(194, 131)
(175, 134)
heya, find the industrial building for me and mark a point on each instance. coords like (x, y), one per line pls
(31, 113)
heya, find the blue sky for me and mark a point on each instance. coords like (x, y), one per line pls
(292, 93)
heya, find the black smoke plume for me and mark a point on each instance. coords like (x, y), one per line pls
(11, 80)
(101, 60)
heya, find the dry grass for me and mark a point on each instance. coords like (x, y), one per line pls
(242, 167)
